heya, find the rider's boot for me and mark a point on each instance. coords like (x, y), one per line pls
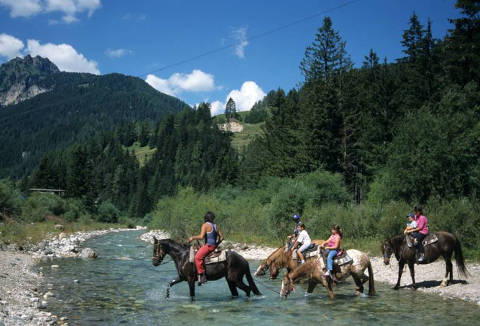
(202, 278)
(421, 257)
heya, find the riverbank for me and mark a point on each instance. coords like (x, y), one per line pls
(21, 303)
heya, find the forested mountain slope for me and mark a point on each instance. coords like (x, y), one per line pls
(76, 107)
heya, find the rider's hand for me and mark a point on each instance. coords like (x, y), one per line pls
(190, 239)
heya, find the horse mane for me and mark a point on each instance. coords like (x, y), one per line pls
(173, 244)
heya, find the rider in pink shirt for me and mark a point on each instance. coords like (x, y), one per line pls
(420, 232)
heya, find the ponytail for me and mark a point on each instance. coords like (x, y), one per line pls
(337, 228)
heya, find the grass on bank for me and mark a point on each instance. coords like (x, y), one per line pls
(240, 140)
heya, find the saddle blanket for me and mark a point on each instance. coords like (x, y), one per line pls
(213, 258)
(429, 239)
(345, 259)
(308, 254)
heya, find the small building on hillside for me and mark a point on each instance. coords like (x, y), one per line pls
(233, 125)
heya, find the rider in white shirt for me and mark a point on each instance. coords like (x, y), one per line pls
(304, 239)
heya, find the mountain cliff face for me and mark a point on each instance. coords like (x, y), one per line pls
(56, 109)
(24, 78)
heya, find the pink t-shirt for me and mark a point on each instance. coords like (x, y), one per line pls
(422, 224)
(331, 241)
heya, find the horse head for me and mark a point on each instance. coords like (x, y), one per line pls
(287, 286)
(274, 271)
(387, 251)
(262, 269)
(159, 252)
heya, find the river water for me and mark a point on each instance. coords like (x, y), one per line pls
(122, 287)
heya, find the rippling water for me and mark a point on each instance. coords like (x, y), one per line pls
(123, 287)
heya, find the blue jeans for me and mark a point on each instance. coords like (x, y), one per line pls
(331, 253)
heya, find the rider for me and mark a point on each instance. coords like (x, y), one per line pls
(292, 238)
(209, 232)
(411, 224)
(420, 232)
(332, 245)
(304, 239)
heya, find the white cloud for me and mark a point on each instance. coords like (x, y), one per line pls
(117, 53)
(245, 98)
(196, 81)
(64, 56)
(22, 8)
(10, 46)
(241, 41)
(69, 8)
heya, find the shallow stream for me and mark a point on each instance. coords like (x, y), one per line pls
(122, 287)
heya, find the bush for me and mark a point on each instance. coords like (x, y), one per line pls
(108, 213)
(74, 209)
(9, 199)
(38, 206)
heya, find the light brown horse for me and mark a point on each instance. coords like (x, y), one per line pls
(284, 259)
(313, 271)
(265, 265)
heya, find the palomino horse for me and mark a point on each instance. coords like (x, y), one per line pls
(284, 259)
(233, 269)
(445, 246)
(313, 271)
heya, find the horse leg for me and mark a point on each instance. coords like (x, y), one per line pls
(449, 270)
(191, 285)
(170, 284)
(243, 286)
(329, 289)
(233, 289)
(401, 264)
(411, 267)
(358, 283)
(311, 286)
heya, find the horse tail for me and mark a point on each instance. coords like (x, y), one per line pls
(462, 269)
(371, 282)
(251, 282)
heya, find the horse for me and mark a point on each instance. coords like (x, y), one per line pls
(233, 269)
(445, 246)
(265, 265)
(313, 271)
(284, 259)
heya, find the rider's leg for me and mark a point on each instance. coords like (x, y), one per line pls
(331, 253)
(199, 258)
(300, 256)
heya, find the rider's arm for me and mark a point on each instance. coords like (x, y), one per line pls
(201, 236)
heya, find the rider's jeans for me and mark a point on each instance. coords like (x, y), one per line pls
(331, 253)
(200, 256)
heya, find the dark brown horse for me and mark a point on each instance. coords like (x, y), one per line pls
(233, 269)
(445, 246)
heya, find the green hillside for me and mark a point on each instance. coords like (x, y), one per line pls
(241, 139)
(79, 107)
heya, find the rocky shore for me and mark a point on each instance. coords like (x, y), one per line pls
(21, 303)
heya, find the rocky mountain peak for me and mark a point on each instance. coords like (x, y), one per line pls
(23, 78)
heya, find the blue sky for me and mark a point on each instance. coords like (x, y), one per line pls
(140, 37)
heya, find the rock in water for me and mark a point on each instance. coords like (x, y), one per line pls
(88, 253)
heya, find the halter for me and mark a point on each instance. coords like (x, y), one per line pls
(157, 255)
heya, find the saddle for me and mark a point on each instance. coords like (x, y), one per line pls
(429, 239)
(342, 258)
(217, 256)
(312, 251)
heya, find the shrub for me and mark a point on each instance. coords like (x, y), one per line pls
(9, 199)
(38, 206)
(108, 213)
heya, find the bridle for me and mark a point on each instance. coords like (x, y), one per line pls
(158, 254)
